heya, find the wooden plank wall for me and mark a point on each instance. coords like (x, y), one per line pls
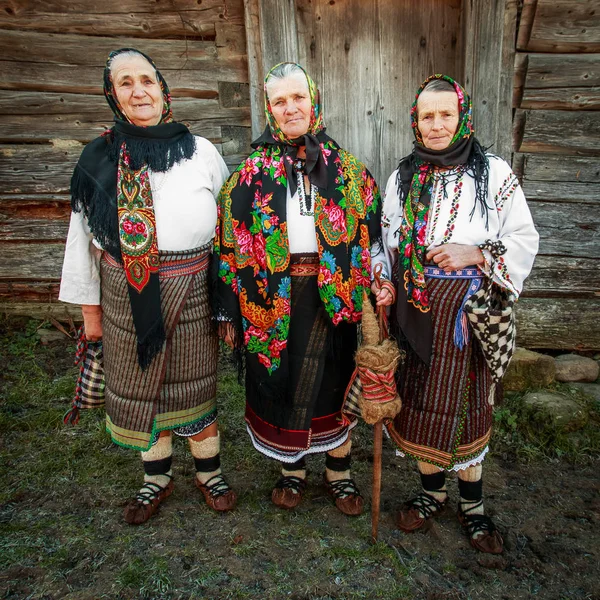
(556, 139)
(52, 56)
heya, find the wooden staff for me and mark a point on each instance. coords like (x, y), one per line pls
(377, 432)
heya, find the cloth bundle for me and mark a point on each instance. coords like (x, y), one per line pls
(89, 391)
(492, 319)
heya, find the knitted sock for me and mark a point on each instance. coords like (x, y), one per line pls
(334, 469)
(157, 462)
(206, 457)
(470, 487)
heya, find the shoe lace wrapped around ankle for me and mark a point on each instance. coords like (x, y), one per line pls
(296, 484)
(219, 487)
(342, 488)
(476, 523)
(427, 505)
(149, 492)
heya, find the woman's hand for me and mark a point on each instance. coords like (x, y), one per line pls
(452, 257)
(382, 294)
(227, 333)
(92, 321)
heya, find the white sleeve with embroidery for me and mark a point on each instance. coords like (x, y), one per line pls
(516, 229)
(80, 281)
(391, 214)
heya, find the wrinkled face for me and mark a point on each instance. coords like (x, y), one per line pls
(291, 106)
(137, 89)
(437, 118)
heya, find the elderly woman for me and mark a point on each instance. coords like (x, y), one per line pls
(138, 249)
(297, 225)
(452, 215)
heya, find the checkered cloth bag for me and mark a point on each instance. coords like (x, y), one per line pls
(490, 313)
(89, 391)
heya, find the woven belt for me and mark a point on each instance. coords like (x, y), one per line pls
(462, 333)
(173, 268)
(304, 265)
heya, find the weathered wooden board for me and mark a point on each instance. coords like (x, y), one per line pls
(92, 51)
(560, 276)
(565, 191)
(34, 206)
(31, 261)
(562, 70)
(14, 102)
(215, 8)
(84, 128)
(559, 323)
(142, 25)
(569, 132)
(582, 98)
(547, 167)
(158, 19)
(565, 26)
(84, 79)
(567, 229)
(60, 311)
(28, 291)
(35, 230)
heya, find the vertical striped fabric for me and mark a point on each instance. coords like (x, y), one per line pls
(179, 387)
(445, 418)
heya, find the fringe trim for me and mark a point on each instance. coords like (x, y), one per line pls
(151, 345)
(158, 155)
(100, 210)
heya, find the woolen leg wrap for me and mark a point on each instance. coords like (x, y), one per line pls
(471, 473)
(343, 450)
(206, 448)
(162, 449)
(427, 469)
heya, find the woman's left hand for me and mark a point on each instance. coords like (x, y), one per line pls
(383, 295)
(452, 257)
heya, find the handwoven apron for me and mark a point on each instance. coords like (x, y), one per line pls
(179, 386)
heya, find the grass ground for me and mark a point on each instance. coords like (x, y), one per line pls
(63, 490)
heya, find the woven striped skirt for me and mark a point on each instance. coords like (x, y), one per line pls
(446, 417)
(178, 389)
(308, 419)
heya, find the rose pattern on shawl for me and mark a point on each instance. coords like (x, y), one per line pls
(336, 216)
(248, 169)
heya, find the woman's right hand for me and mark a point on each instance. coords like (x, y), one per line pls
(227, 333)
(92, 321)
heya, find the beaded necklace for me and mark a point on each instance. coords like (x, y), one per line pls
(307, 204)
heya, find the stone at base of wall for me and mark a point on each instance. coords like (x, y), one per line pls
(572, 367)
(529, 370)
(565, 412)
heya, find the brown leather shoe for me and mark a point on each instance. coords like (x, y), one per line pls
(288, 492)
(217, 493)
(409, 517)
(346, 495)
(482, 532)
(145, 504)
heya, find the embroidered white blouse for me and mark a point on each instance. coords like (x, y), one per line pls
(450, 221)
(186, 215)
(302, 233)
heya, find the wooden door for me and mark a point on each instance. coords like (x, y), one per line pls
(369, 58)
